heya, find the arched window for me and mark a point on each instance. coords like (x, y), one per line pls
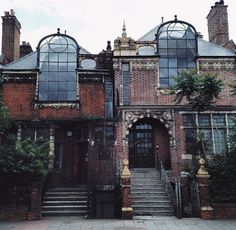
(177, 48)
(58, 63)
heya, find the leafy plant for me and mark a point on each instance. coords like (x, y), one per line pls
(223, 181)
(26, 158)
(199, 89)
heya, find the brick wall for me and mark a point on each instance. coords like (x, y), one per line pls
(224, 211)
(19, 97)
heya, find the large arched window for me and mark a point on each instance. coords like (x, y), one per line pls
(177, 48)
(58, 63)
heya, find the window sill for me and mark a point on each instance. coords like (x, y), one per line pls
(57, 105)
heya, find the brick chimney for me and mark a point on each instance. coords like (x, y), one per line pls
(25, 48)
(217, 20)
(10, 36)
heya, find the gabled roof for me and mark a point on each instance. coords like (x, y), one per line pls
(205, 48)
(29, 62)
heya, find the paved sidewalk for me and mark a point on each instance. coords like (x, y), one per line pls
(148, 223)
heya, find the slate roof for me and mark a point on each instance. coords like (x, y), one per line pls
(29, 62)
(205, 48)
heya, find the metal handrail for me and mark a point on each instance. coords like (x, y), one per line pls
(174, 196)
(168, 187)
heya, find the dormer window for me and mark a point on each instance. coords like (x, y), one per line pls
(57, 63)
(177, 47)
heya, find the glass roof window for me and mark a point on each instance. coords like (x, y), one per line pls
(177, 48)
(58, 63)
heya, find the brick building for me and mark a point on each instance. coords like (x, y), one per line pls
(97, 110)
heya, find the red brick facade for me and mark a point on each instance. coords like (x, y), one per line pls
(94, 131)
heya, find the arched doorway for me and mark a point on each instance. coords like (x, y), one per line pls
(149, 144)
(141, 145)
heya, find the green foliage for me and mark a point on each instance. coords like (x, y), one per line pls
(25, 158)
(4, 113)
(223, 180)
(200, 90)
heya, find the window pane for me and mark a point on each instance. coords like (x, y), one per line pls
(181, 43)
(71, 95)
(43, 86)
(162, 43)
(189, 120)
(164, 73)
(53, 76)
(163, 62)
(71, 86)
(204, 120)
(62, 96)
(43, 133)
(172, 72)
(182, 63)
(28, 133)
(63, 86)
(207, 138)
(63, 57)
(53, 67)
(220, 141)
(172, 44)
(182, 53)
(218, 120)
(52, 96)
(191, 44)
(164, 81)
(172, 53)
(172, 62)
(190, 139)
(52, 86)
(172, 81)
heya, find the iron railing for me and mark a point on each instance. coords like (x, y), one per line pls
(173, 194)
(102, 184)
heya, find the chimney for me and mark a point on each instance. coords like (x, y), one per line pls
(25, 48)
(10, 36)
(217, 20)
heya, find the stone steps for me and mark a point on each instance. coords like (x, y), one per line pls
(65, 202)
(148, 193)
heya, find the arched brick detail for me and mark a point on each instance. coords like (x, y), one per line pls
(165, 117)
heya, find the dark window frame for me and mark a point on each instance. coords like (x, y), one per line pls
(57, 61)
(175, 43)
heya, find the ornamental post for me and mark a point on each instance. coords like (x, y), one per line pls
(206, 211)
(127, 211)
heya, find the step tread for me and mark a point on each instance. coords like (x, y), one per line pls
(64, 206)
(64, 211)
(64, 201)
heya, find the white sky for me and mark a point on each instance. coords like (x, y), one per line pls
(93, 22)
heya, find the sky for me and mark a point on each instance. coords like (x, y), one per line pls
(93, 22)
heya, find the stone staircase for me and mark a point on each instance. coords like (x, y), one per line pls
(65, 202)
(148, 193)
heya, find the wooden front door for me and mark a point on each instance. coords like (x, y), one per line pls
(141, 146)
(70, 162)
